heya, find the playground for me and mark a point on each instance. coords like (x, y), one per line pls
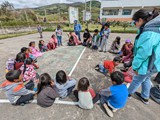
(78, 62)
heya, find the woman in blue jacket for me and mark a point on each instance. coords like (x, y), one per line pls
(146, 52)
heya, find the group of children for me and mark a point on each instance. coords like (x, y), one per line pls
(23, 83)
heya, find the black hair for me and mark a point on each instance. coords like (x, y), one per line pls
(96, 31)
(146, 16)
(106, 24)
(118, 40)
(117, 59)
(61, 77)
(117, 77)
(24, 49)
(20, 57)
(12, 75)
(83, 84)
(40, 41)
(52, 36)
(44, 80)
(28, 61)
(87, 30)
(30, 44)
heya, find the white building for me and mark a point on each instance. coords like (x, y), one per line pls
(123, 10)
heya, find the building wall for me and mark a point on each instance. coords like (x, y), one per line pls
(126, 4)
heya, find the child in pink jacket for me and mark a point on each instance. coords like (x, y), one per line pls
(34, 51)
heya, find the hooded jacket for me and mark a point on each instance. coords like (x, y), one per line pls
(14, 90)
(147, 49)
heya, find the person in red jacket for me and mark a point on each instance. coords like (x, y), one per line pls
(108, 66)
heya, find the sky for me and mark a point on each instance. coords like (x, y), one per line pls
(37, 3)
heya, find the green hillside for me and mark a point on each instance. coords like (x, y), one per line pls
(53, 11)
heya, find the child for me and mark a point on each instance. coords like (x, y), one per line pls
(108, 66)
(36, 53)
(28, 71)
(52, 43)
(75, 38)
(71, 41)
(25, 50)
(95, 39)
(85, 94)
(46, 93)
(19, 61)
(105, 36)
(15, 89)
(115, 97)
(86, 37)
(59, 32)
(127, 51)
(128, 75)
(42, 46)
(63, 84)
(115, 46)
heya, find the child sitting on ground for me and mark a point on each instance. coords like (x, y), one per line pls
(115, 97)
(115, 46)
(95, 40)
(28, 71)
(42, 46)
(128, 75)
(16, 92)
(27, 53)
(86, 37)
(75, 38)
(109, 66)
(71, 41)
(52, 43)
(85, 94)
(64, 85)
(19, 61)
(46, 92)
(35, 52)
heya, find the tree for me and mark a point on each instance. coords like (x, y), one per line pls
(6, 8)
(125, 25)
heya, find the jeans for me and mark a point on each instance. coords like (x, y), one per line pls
(78, 34)
(141, 80)
(28, 97)
(69, 90)
(102, 69)
(59, 38)
(104, 44)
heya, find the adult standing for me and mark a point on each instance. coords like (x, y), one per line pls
(40, 30)
(146, 52)
(77, 29)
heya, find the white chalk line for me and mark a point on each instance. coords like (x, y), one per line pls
(57, 101)
(76, 62)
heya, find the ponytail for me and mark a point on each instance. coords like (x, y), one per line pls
(27, 62)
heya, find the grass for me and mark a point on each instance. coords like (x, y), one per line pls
(5, 36)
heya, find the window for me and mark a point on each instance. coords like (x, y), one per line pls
(127, 12)
(110, 12)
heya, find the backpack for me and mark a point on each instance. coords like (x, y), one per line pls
(10, 64)
(155, 93)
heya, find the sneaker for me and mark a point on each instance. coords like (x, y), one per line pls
(108, 111)
(100, 50)
(145, 101)
(97, 66)
(129, 96)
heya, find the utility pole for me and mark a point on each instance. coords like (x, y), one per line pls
(27, 20)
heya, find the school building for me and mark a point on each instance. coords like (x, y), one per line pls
(123, 10)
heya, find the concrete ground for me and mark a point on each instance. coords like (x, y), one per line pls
(64, 58)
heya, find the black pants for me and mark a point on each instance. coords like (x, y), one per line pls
(25, 98)
(95, 99)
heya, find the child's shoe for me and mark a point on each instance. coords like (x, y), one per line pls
(138, 95)
(108, 110)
